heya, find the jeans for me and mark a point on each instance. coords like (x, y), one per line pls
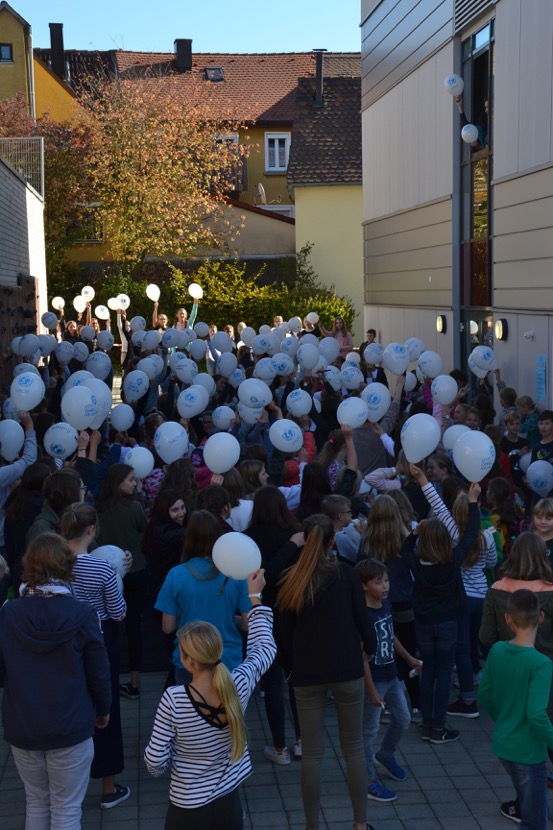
(405, 632)
(273, 685)
(437, 644)
(55, 783)
(222, 814)
(391, 692)
(530, 781)
(467, 652)
(311, 702)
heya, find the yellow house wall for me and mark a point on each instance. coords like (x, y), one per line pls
(13, 76)
(330, 218)
(52, 97)
(274, 183)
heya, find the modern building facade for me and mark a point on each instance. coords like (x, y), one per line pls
(457, 235)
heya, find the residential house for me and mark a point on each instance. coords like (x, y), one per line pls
(458, 241)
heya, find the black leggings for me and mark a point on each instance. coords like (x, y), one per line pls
(222, 814)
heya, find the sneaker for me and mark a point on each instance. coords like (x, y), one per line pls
(425, 732)
(113, 799)
(511, 809)
(443, 736)
(460, 709)
(130, 691)
(416, 715)
(297, 749)
(376, 792)
(282, 758)
(391, 765)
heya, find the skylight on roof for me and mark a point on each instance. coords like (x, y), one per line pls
(214, 73)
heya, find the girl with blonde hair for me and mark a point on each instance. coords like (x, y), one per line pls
(199, 731)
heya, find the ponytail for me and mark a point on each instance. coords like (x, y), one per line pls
(301, 582)
(75, 520)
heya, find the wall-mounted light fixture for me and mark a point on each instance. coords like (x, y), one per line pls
(441, 324)
(501, 329)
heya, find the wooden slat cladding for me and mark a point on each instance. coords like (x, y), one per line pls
(468, 10)
(398, 36)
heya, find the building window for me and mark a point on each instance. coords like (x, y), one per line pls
(277, 150)
(6, 53)
(214, 73)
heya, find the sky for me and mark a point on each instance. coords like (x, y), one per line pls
(213, 25)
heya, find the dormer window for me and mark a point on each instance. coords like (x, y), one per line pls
(6, 53)
(214, 73)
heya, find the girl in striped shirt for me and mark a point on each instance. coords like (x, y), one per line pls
(199, 731)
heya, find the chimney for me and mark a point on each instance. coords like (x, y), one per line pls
(319, 77)
(57, 58)
(183, 54)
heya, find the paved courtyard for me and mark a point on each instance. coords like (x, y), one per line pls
(453, 787)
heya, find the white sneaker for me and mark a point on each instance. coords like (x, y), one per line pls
(281, 758)
(297, 749)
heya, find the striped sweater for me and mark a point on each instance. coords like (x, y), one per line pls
(94, 582)
(197, 752)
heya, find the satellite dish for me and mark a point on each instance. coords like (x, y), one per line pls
(259, 193)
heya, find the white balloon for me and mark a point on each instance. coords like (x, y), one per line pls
(410, 382)
(329, 348)
(153, 292)
(198, 349)
(279, 332)
(396, 358)
(222, 418)
(295, 324)
(222, 342)
(79, 303)
(135, 385)
(58, 303)
(265, 329)
(299, 402)
(21, 368)
(308, 356)
(151, 341)
(454, 84)
(195, 291)
(14, 345)
(420, 436)
(205, 380)
(115, 557)
(64, 351)
(113, 304)
(310, 338)
(237, 377)
(444, 389)
(101, 312)
(201, 329)
(524, 462)
(378, 399)
(236, 555)
(430, 364)
(186, 336)
(176, 359)
(474, 455)
(122, 417)
(77, 379)
(250, 415)
(484, 358)
(419, 375)
(351, 377)
(373, 354)
(469, 133)
(158, 362)
(80, 352)
(79, 407)
(12, 438)
(105, 340)
(102, 393)
(312, 318)
(192, 401)
(265, 369)
(333, 377)
(415, 346)
(10, 411)
(49, 320)
(171, 441)
(186, 370)
(226, 364)
(290, 346)
(353, 357)
(123, 301)
(476, 370)
(99, 364)
(283, 364)
(352, 412)
(28, 345)
(247, 334)
(221, 452)
(27, 391)
(254, 393)
(61, 440)
(141, 460)
(138, 324)
(88, 293)
(170, 338)
(263, 344)
(138, 338)
(286, 435)
(88, 333)
(539, 476)
(148, 367)
(452, 434)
